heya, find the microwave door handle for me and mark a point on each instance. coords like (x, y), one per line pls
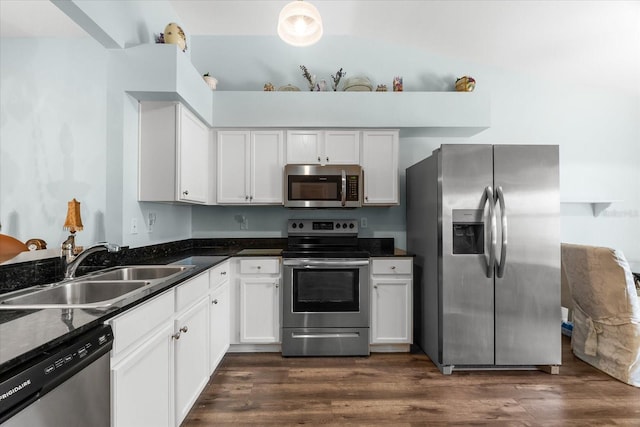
(344, 188)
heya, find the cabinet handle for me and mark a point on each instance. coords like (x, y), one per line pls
(185, 192)
(375, 286)
(327, 160)
(277, 286)
(223, 273)
(176, 336)
(246, 197)
(215, 301)
(251, 198)
(184, 329)
(393, 267)
(258, 267)
(366, 198)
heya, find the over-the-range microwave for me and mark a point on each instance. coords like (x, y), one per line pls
(323, 186)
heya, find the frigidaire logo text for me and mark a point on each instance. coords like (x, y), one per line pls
(16, 389)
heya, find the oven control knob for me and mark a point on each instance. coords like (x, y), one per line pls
(301, 225)
(338, 225)
(344, 225)
(351, 225)
(294, 225)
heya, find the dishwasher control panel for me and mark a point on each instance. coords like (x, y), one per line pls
(29, 381)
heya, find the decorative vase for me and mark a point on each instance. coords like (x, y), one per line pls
(211, 81)
(173, 34)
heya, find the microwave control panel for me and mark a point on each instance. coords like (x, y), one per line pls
(352, 188)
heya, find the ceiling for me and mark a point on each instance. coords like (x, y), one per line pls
(592, 42)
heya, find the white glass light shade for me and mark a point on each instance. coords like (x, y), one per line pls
(299, 24)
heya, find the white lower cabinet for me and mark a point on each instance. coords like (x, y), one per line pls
(191, 341)
(259, 300)
(161, 359)
(391, 301)
(142, 364)
(219, 314)
(141, 383)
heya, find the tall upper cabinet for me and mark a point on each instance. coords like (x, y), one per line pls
(379, 162)
(174, 156)
(250, 167)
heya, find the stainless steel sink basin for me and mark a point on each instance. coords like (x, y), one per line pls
(101, 289)
(138, 272)
(80, 293)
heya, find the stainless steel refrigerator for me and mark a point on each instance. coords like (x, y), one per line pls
(483, 222)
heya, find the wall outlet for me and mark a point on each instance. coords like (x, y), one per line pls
(244, 225)
(151, 221)
(364, 223)
(134, 225)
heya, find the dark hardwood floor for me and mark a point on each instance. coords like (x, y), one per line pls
(407, 389)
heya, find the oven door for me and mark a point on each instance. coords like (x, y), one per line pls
(325, 293)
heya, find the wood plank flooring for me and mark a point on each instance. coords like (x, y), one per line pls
(406, 389)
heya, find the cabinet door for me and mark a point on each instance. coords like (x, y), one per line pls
(267, 158)
(259, 310)
(220, 316)
(380, 165)
(304, 146)
(141, 383)
(192, 151)
(341, 147)
(233, 167)
(191, 356)
(391, 311)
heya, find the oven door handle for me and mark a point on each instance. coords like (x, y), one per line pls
(338, 263)
(326, 335)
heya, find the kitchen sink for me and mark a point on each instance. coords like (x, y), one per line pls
(80, 293)
(101, 289)
(138, 272)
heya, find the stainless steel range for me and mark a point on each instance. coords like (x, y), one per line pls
(325, 290)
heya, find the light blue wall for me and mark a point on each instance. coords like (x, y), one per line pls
(598, 132)
(62, 108)
(52, 137)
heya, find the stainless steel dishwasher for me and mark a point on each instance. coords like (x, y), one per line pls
(66, 386)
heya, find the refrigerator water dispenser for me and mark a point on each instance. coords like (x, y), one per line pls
(468, 231)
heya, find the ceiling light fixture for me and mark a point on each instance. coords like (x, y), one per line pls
(299, 24)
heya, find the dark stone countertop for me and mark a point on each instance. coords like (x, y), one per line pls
(25, 334)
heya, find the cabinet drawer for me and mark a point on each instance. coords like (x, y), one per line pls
(219, 274)
(190, 291)
(132, 326)
(260, 266)
(391, 266)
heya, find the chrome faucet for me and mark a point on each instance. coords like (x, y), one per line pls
(72, 261)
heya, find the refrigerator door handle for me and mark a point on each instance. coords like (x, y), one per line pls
(493, 238)
(344, 188)
(503, 219)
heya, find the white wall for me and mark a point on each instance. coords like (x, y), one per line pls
(598, 132)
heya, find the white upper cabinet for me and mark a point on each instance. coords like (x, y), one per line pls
(174, 155)
(380, 166)
(267, 163)
(250, 165)
(323, 147)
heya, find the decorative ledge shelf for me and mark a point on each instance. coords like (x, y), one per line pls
(597, 206)
(161, 72)
(457, 114)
